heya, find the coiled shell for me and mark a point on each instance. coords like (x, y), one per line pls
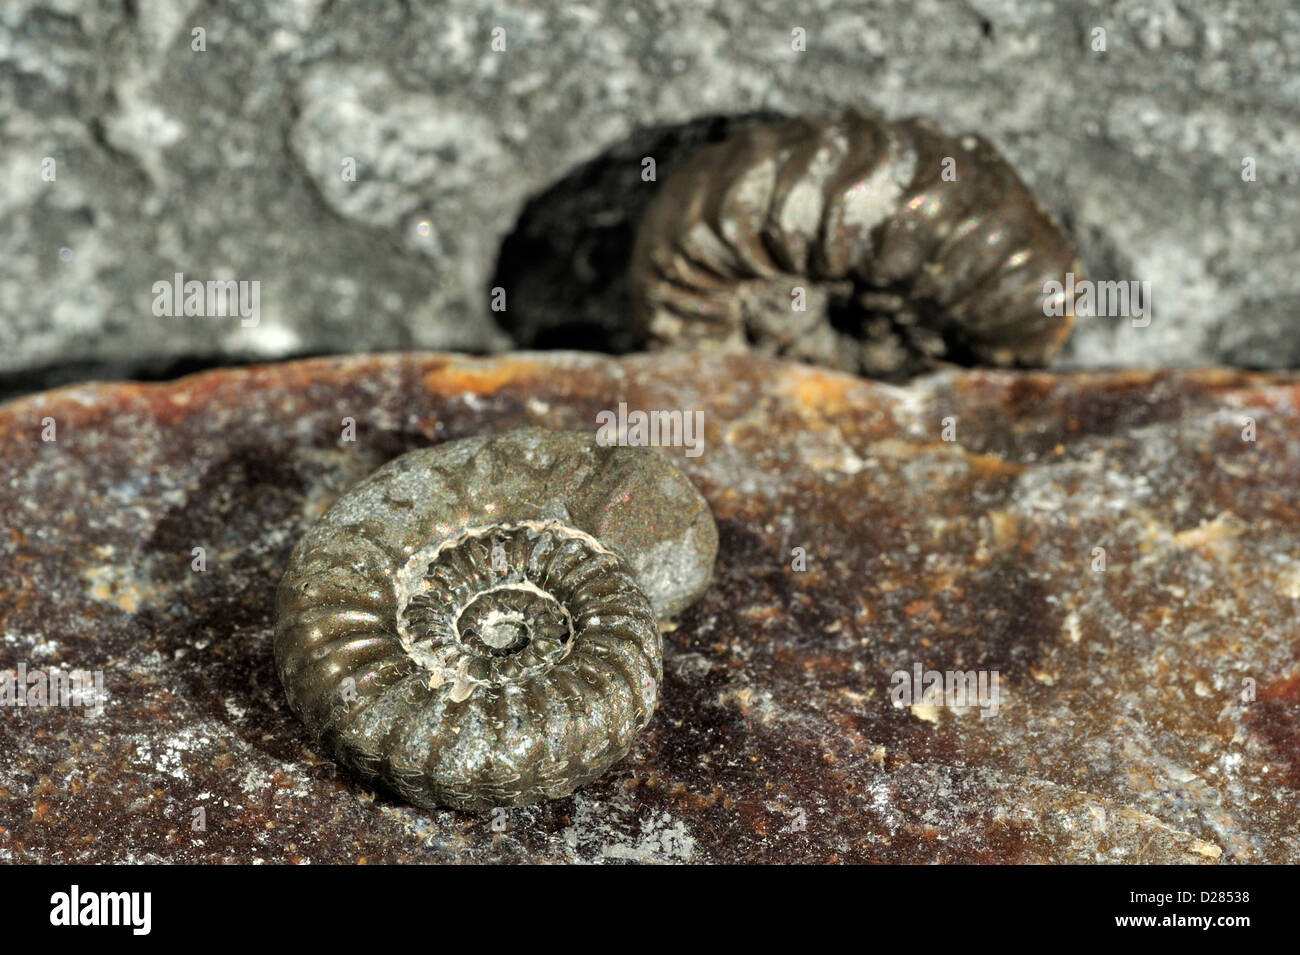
(901, 266)
(475, 625)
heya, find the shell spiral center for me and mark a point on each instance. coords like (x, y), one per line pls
(500, 605)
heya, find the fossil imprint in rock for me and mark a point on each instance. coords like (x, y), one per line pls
(476, 623)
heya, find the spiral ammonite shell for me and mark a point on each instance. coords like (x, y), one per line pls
(902, 266)
(475, 623)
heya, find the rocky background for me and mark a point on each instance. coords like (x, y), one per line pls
(227, 162)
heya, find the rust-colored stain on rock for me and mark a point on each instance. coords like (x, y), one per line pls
(1112, 545)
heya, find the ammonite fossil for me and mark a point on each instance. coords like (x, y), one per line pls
(475, 624)
(910, 247)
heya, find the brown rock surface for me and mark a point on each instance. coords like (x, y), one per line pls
(1121, 733)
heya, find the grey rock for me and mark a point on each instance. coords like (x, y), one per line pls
(228, 163)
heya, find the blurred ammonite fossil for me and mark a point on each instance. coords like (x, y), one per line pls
(474, 624)
(874, 246)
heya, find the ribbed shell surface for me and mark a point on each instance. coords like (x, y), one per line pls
(940, 227)
(475, 625)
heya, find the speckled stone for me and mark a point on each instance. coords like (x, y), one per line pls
(1148, 711)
